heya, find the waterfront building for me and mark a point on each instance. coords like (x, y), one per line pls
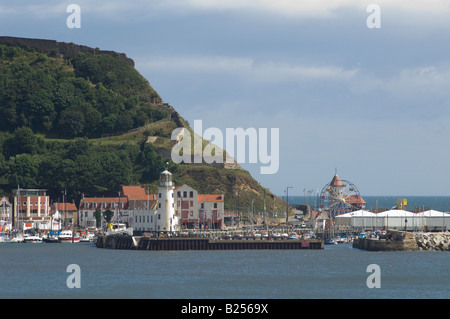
(142, 208)
(143, 216)
(89, 206)
(67, 213)
(198, 210)
(5, 209)
(171, 209)
(30, 206)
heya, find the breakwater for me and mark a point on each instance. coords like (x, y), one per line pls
(200, 243)
(433, 241)
(399, 240)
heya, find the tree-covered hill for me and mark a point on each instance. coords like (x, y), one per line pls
(89, 95)
(78, 119)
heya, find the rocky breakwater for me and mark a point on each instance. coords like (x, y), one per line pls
(433, 241)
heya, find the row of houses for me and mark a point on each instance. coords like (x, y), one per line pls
(31, 208)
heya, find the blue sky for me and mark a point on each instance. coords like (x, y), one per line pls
(373, 103)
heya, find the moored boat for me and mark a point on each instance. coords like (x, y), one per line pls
(67, 236)
(86, 238)
(50, 239)
(32, 239)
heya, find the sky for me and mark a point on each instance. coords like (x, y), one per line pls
(372, 104)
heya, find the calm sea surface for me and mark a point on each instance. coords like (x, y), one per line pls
(338, 271)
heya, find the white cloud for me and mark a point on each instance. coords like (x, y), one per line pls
(272, 72)
(116, 9)
(311, 7)
(280, 72)
(421, 80)
(201, 64)
(430, 82)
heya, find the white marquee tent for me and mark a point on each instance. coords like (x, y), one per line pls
(394, 219)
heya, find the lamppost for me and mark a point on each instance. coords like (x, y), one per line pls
(287, 208)
(264, 217)
(237, 206)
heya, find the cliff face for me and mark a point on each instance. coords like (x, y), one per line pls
(52, 47)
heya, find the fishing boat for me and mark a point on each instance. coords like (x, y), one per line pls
(67, 236)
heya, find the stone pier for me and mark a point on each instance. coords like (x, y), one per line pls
(392, 241)
(200, 243)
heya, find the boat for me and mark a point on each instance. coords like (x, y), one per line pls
(50, 239)
(16, 239)
(32, 239)
(67, 236)
(87, 238)
(119, 228)
(330, 241)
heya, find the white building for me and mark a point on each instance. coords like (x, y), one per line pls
(198, 210)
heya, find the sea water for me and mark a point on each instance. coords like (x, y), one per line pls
(338, 271)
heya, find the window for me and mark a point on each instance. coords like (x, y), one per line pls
(113, 205)
(191, 194)
(184, 194)
(159, 217)
(159, 195)
(202, 205)
(94, 205)
(159, 205)
(179, 194)
(103, 205)
(86, 205)
(215, 205)
(121, 205)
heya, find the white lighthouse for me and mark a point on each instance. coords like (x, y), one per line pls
(166, 220)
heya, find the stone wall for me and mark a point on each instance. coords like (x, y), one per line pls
(63, 48)
(393, 241)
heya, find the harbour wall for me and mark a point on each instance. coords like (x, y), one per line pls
(200, 243)
(399, 241)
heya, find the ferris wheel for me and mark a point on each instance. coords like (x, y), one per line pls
(339, 197)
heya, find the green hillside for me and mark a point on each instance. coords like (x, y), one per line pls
(79, 119)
